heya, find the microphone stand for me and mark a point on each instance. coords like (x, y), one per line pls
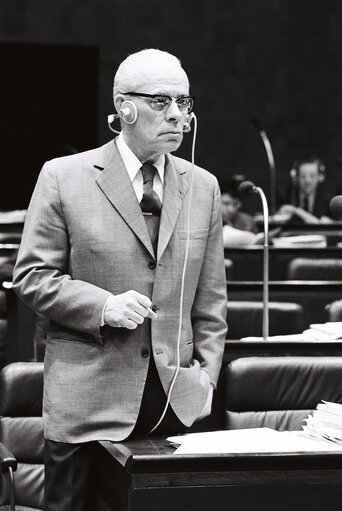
(249, 187)
(271, 164)
(265, 317)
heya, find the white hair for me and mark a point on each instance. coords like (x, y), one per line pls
(137, 65)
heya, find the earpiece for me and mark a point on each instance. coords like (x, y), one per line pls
(187, 123)
(310, 159)
(128, 112)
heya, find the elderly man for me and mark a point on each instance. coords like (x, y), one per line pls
(130, 350)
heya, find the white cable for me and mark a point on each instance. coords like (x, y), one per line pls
(181, 299)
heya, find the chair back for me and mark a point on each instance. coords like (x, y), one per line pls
(305, 268)
(244, 318)
(279, 392)
(21, 431)
(334, 310)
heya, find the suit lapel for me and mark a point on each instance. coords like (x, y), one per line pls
(117, 187)
(175, 187)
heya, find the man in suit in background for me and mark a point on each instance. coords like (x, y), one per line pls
(307, 199)
(102, 257)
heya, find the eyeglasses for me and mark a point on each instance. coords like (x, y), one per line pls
(161, 102)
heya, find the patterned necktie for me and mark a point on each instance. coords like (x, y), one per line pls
(150, 202)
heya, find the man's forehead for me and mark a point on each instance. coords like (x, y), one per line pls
(308, 168)
(165, 76)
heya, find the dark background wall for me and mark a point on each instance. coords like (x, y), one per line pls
(279, 60)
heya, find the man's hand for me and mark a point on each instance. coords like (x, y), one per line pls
(128, 310)
(207, 407)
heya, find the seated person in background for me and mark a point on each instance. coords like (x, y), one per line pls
(238, 227)
(231, 206)
(306, 200)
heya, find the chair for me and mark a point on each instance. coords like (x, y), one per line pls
(279, 392)
(244, 318)
(304, 268)
(229, 269)
(21, 432)
(334, 310)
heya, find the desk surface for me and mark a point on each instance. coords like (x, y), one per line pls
(305, 285)
(156, 454)
(301, 227)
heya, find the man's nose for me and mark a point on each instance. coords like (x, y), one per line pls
(173, 113)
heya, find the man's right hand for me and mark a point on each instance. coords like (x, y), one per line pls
(128, 310)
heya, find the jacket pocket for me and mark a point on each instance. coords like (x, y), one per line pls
(194, 234)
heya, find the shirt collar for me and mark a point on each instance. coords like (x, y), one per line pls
(133, 164)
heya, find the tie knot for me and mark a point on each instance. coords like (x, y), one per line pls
(148, 172)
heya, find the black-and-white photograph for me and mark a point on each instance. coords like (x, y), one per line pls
(171, 255)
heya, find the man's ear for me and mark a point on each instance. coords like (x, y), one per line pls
(118, 100)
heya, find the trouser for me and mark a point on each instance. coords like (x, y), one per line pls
(70, 469)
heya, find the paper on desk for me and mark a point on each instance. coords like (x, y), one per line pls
(304, 240)
(330, 331)
(254, 440)
(307, 335)
(325, 422)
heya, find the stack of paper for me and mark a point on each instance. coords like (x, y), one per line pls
(325, 423)
(305, 240)
(254, 440)
(327, 331)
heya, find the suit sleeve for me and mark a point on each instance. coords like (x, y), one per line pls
(41, 276)
(210, 305)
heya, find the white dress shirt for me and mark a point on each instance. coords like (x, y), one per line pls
(133, 166)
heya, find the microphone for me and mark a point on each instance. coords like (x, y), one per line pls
(336, 206)
(187, 123)
(248, 187)
(110, 119)
(256, 122)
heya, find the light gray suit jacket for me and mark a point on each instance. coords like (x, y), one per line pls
(84, 238)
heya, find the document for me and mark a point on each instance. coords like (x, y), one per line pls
(325, 422)
(253, 440)
(329, 331)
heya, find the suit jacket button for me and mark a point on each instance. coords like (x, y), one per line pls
(145, 353)
(152, 265)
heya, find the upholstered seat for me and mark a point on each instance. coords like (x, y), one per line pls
(21, 431)
(279, 392)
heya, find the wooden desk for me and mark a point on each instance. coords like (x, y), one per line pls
(248, 261)
(238, 349)
(312, 295)
(144, 475)
(330, 230)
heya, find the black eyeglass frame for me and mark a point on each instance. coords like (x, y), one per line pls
(166, 96)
